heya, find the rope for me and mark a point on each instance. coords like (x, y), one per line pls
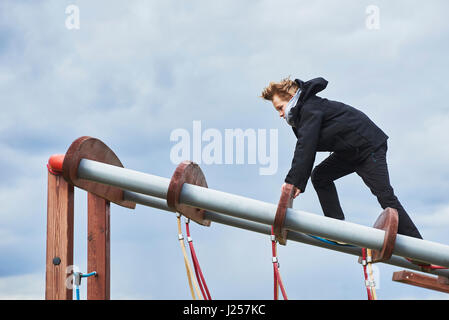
(370, 273)
(276, 274)
(426, 266)
(192, 284)
(196, 265)
(368, 290)
(369, 277)
(276, 283)
(335, 243)
(280, 283)
(53, 172)
(77, 281)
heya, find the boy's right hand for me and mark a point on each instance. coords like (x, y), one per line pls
(296, 191)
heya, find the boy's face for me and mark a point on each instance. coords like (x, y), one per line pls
(279, 104)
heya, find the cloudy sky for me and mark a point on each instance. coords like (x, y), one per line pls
(135, 71)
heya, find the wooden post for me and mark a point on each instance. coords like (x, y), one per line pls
(420, 280)
(98, 247)
(59, 238)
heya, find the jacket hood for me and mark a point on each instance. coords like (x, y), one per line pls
(311, 87)
(308, 89)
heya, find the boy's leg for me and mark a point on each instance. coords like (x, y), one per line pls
(323, 175)
(374, 172)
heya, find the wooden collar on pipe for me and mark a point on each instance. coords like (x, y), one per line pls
(186, 172)
(93, 149)
(387, 221)
(286, 201)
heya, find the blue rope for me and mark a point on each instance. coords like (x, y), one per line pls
(77, 290)
(330, 241)
(77, 285)
(88, 274)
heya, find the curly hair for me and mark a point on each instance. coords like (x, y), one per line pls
(285, 89)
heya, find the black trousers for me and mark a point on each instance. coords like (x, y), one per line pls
(371, 166)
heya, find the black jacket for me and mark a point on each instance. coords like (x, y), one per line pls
(325, 125)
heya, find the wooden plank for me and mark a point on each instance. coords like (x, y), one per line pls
(98, 247)
(59, 255)
(421, 280)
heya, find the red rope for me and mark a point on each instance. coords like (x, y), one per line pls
(432, 267)
(196, 265)
(53, 172)
(275, 276)
(281, 285)
(273, 254)
(368, 291)
(427, 266)
(276, 273)
(196, 273)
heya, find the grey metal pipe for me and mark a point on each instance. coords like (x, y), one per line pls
(161, 204)
(263, 212)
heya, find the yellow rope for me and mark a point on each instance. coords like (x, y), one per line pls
(370, 274)
(189, 271)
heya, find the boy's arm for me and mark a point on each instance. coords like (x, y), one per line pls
(308, 133)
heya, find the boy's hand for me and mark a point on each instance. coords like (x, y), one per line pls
(296, 191)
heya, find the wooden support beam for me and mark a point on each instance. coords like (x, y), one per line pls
(420, 280)
(59, 254)
(98, 247)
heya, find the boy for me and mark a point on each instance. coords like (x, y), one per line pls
(357, 145)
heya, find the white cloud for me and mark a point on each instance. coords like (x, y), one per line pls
(23, 287)
(439, 219)
(135, 71)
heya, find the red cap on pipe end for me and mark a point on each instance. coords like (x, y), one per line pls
(55, 163)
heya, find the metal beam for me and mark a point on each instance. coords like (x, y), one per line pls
(263, 212)
(161, 204)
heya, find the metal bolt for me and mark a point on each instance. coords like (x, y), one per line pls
(56, 261)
